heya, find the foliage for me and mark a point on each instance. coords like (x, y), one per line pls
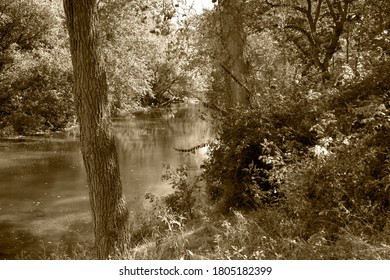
(35, 74)
(343, 183)
(166, 82)
(154, 222)
(272, 234)
(322, 147)
(126, 43)
(249, 145)
(182, 200)
(170, 212)
(24, 23)
(309, 159)
(145, 50)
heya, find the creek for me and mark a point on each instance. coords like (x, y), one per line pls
(43, 191)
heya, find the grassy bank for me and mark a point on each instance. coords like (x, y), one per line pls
(264, 234)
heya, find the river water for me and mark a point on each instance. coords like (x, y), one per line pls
(43, 190)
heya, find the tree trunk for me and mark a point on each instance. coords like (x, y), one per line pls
(109, 211)
(234, 40)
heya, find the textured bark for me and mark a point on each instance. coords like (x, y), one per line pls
(110, 214)
(234, 40)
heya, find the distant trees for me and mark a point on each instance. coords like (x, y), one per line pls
(144, 43)
(35, 78)
(110, 214)
(141, 39)
(23, 23)
(172, 75)
(220, 54)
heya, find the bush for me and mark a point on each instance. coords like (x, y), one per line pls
(182, 200)
(344, 182)
(347, 189)
(249, 145)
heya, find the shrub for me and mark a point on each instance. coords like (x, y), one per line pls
(348, 186)
(182, 200)
(252, 144)
(234, 161)
(348, 189)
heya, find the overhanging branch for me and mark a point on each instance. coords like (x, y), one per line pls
(236, 79)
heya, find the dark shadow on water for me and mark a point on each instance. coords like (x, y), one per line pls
(13, 240)
(18, 244)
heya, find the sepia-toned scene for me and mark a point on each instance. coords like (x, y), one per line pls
(194, 130)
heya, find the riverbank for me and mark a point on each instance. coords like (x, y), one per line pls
(257, 235)
(72, 128)
(204, 233)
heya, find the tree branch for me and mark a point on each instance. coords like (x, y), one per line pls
(318, 10)
(192, 149)
(295, 7)
(331, 10)
(301, 48)
(302, 31)
(236, 79)
(309, 6)
(214, 107)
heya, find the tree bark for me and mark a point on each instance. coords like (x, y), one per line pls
(234, 41)
(109, 211)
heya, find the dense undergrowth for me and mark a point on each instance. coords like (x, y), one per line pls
(304, 180)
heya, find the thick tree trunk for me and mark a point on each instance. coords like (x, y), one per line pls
(234, 40)
(110, 214)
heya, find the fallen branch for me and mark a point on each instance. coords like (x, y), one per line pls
(167, 103)
(192, 149)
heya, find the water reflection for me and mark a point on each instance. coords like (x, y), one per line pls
(43, 192)
(147, 142)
